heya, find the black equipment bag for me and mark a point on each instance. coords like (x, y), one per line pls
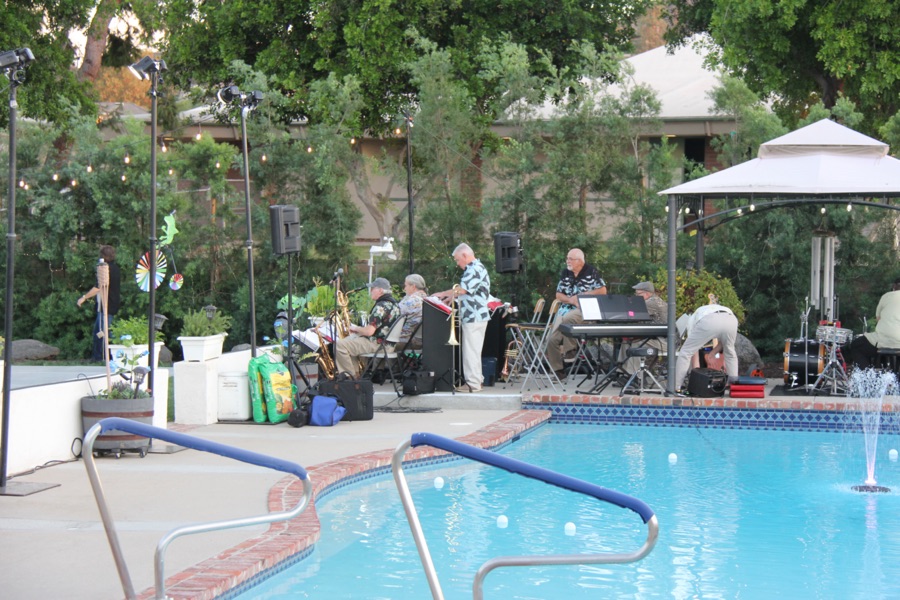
(418, 382)
(357, 396)
(707, 383)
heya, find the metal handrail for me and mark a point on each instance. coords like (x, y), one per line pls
(528, 470)
(187, 441)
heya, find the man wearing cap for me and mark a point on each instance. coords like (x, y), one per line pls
(864, 349)
(659, 315)
(708, 322)
(367, 339)
(473, 292)
(577, 278)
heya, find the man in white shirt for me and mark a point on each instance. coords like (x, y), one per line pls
(864, 349)
(708, 322)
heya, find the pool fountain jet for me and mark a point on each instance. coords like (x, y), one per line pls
(868, 387)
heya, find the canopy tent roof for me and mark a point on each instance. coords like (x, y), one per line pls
(821, 159)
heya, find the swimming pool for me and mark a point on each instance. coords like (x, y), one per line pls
(743, 514)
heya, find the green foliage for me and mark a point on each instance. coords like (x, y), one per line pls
(195, 323)
(131, 331)
(693, 289)
(122, 390)
(318, 301)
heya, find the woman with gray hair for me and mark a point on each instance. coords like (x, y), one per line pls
(411, 308)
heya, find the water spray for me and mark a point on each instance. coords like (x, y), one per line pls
(868, 387)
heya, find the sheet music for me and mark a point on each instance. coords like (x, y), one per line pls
(590, 308)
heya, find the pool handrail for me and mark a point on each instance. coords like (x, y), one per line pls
(195, 443)
(528, 470)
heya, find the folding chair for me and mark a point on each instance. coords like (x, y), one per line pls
(515, 352)
(385, 356)
(535, 338)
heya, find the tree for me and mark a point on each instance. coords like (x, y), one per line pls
(804, 51)
(298, 42)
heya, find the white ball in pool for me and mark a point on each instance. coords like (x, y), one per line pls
(502, 522)
(673, 458)
(892, 454)
(438, 483)
(570, 528)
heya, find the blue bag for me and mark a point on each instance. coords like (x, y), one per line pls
(325, 411)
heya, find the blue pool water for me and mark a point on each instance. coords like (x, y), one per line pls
(743, 514)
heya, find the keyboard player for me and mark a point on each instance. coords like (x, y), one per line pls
(659, 315)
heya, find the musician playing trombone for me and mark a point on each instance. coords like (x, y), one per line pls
(473, 291)
(368, 338)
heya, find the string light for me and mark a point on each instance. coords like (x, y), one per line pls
(199, 136)
(55, 177)
(124, 177)
(687, 210)
(740, 212)
(752, 207)
(74, 183)
(21, 183)
(352, 141)
(849, 206)
(264, 158)
(90, 169)
(164, 147)
(309, 149)
(171, 171)
(218, 164)
(823, 210)
(127, 159)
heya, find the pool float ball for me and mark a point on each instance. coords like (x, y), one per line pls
(438, 483)
(892, 455)
(502, 522)
(673, 458)
(570, 528)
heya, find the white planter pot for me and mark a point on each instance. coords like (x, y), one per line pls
(136, 350)
(200, 349)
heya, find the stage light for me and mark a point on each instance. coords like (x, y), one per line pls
(15, 58)
(144, 67)
(228, 94)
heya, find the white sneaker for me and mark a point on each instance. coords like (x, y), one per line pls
(468, 389)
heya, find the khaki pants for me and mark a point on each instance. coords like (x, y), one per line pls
(348, 350)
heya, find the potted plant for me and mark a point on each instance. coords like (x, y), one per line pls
(203, 333)
(130, 339)
(124, 399)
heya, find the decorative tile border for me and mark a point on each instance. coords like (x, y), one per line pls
(283, 544)
(775, 413)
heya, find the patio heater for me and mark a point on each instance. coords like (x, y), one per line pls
(150, 68)
(13, 64)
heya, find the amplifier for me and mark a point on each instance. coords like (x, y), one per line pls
(707, 383)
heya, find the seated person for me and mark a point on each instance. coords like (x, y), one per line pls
(411, 308)
(864, 349)
(367, 339)
(659, 315)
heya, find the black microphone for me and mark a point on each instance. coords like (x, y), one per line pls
(338, 274)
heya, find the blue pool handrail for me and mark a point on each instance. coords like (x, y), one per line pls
(193, 442)
(528, 470)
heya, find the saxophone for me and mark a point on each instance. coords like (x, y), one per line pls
(342, 315)
(324, 360)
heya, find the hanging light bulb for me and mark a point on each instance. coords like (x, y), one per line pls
(398, 131)
(74, 183)
(27, 187)
(124, 177)
(90, 169)
(56, 177)
(171, 171)
(21, 183)
(199, 136)
(667, 208)
(740, 212)
(849, 206)
(309, 149)
(752, 207)
(218, 164)
(687, 210)
(352, 141)
(264, 158)
(164, 147)
(127, 159)
(823, 210)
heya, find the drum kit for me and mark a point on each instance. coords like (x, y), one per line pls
(817, 366)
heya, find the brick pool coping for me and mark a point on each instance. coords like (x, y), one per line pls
(285, 542)
(229, 569)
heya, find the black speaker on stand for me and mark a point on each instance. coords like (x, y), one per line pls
(285, 220)
(508, 252)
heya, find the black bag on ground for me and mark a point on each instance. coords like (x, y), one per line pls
(418, 382)
(357, 396)
(707, 383)
(298, 417)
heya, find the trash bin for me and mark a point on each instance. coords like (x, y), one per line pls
(234, 396)
(489, 369)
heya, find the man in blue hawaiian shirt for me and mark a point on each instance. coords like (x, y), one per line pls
(473, 292)
(368, 338)
(577, 278)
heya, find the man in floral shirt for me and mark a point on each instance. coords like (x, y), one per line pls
(577, 278)
(473, 292)
(369, 338)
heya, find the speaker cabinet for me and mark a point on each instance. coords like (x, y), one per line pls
(285, 220)
(508, 252)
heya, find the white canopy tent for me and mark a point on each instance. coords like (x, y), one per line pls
(822, 162)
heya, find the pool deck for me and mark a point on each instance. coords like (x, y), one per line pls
(53, 542)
